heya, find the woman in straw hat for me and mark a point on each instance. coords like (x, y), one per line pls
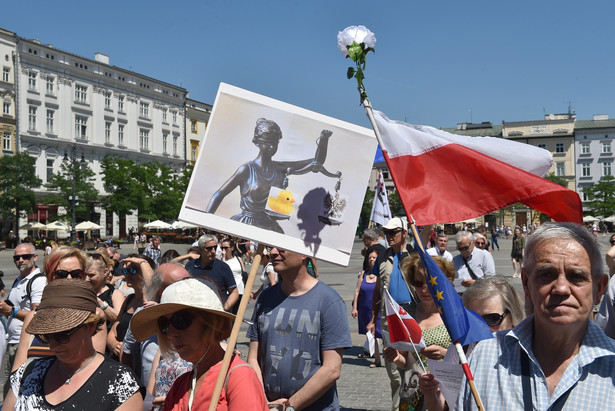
(64, 262)
(77, 376)
(190, 320)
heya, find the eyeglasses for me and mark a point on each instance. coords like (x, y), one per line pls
(210, 248)
(495, 319)
(180, 321)
(61, 338)
(129, 271)
(392, 232)
(466, 248)
(225, 248)
(78, 273)
(24, 256)
(418, 284)
(480, 243)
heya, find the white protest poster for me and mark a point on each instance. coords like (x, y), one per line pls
(450, 377)
(280, 175)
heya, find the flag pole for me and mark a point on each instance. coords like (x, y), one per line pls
(462, 358)
(232, 340)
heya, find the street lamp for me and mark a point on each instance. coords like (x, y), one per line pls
(74, 199)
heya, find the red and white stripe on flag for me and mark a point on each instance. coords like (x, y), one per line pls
(402, 327)
(443, 177)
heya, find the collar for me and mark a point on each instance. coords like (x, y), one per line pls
(32, 274)
(197, 263)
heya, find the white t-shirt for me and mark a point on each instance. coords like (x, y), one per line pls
(435, 252)
(235, 266)
(20, 300)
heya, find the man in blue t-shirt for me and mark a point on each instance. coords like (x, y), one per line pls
(297, 338)
(217, 271)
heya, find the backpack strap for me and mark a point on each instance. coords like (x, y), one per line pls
(29, 285)
(228, 374)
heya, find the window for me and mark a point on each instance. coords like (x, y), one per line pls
(175, 118)
(81, 93)
(107, 132)
(6, 141)
(542, 146)
(606, 147)
(108, 100)
(606, 169)
(194, 150)
(50, 115)
(81, 127)
(585, 170)
(6, 74)
(120, 104)
(586, 196)
(165, 140)
(559, 147)
(164, 115)
(143, 139)
(120, 134)
(174, 145)
(32, 81)
(32, 118)
(49, 169)
(6, 108)
(49, 88)
(193, 126)
(560, 169)
(584, 148)
(144, 110)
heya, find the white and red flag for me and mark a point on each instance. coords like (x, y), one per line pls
(403, 329)
(444, 177)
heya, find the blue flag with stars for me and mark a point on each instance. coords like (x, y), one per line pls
(462, 324)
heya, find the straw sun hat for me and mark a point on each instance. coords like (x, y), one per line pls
(189, 293)
(66, 304)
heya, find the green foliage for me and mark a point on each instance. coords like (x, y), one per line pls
(395, 204)
(155, 190)
(556, 179)
(602, 195)
(366, 209)
(17, 179)
(62, 184)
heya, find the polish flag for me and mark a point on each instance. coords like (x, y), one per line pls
(443, 177)
(402, 327)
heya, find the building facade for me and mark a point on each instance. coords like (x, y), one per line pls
(8, 130)
(197, 118)
(594, 147)
(71, 104)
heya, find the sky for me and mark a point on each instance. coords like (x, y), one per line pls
(436, 63)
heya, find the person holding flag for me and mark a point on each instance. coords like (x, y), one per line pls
(437, 339)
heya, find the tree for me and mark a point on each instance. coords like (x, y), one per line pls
(366, 209)
(17, 179)
(86, 193)
(602, 197)
(118, 180)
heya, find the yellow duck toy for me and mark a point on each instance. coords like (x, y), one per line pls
(283, 204)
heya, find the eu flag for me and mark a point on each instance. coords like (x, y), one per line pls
(462, 324)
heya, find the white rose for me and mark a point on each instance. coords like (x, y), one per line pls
(360, 34)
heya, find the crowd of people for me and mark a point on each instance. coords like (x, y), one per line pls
(149, 330)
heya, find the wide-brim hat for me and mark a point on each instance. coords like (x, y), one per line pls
(189, 293)
(65, 304)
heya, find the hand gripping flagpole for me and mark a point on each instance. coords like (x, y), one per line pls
(232, 340)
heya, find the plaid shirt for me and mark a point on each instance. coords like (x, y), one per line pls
(153, 253)
(496, 366)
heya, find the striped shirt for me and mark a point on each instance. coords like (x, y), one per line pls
(496, 366)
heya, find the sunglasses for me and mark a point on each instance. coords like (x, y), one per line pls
(392, 232)
(129, 271)
(210, 248)
(418, 284)
(225, 248)
(78, 273)
(466, 248)
(61, 338)
(495, 319)
(24, 256)
(180, 321)
(610, 241)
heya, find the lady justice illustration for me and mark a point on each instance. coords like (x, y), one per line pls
(257, 177)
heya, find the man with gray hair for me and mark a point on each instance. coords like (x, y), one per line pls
(218, 271)
(440, 248)
(472, 262)
(557, 358)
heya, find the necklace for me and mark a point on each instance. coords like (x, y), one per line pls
(195, 367)
(69, 375)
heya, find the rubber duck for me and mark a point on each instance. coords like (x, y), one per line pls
(283, 204)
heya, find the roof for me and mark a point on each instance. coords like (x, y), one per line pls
(587, 124)
(494, 131)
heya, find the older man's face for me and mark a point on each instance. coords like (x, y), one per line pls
(465, 247)
(442, 242)
(559, 283)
